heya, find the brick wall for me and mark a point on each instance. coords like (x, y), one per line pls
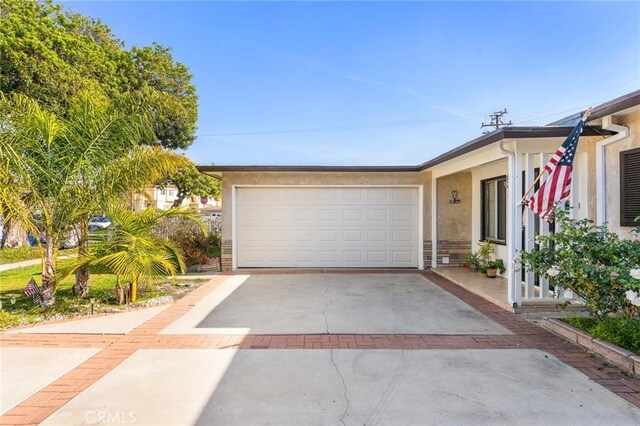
(227, 260)
(455, 250)
(426, 254)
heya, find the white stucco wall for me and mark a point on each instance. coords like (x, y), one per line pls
(486, 171)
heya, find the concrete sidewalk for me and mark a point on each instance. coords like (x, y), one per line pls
(24, 263)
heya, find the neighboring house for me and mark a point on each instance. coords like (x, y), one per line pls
(163, 199)
(406, 217)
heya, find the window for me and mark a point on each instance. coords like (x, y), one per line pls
(171, 192)
(162, 192)
(629, 187)
(494, 209)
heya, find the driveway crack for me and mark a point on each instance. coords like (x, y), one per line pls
(344, 386)
(324, 311)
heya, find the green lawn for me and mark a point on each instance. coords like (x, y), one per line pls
(619, 331)
(13, 281)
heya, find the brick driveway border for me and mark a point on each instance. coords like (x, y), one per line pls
(117, 348)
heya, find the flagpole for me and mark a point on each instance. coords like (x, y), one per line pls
(586, 115)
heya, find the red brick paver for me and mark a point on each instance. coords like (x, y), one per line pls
(117, 348)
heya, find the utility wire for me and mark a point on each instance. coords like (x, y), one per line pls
(329, 129)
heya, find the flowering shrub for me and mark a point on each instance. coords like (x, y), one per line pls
(597, 265)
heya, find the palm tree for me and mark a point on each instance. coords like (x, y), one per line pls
(113, 181)
(133, 250)
(59, 168)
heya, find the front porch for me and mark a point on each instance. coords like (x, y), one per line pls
(476, 197)
(496, 291)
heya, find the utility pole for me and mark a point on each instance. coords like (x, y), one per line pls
(496, 121)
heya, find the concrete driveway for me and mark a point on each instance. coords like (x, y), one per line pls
(332, 303)
(386, 349)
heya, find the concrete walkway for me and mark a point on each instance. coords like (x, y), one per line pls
(515, 373)
(118, 323)
(24, 263)
(16, 265)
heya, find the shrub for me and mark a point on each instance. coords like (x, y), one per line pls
(195, 245)
(623, 332)
(590, 261)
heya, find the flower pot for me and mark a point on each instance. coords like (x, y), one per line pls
(491, 273)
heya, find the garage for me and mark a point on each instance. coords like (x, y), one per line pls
(327, 227)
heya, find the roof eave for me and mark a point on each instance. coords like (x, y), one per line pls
(485, 140)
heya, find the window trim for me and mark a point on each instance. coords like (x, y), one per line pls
(624, 221)
(483, 213)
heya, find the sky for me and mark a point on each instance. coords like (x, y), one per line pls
(382, 83)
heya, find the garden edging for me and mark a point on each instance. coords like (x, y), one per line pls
(615, 354)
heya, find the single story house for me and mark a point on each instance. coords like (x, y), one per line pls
(429, 215)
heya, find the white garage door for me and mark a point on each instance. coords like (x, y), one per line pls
(327, 227)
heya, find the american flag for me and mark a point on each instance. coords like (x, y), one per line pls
(32, 289)
(558, 184)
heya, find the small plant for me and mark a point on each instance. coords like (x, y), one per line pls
(486, 249)
(472, 260)
(493, 266)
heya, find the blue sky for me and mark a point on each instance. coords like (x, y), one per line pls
(382, 83)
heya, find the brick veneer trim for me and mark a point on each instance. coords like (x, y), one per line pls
(454, 249)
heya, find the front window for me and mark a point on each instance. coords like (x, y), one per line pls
(494, 209)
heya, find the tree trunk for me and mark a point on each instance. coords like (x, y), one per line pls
(81, 287)
(49, 254)
(13, 235)
(181, 196)
(133, 291)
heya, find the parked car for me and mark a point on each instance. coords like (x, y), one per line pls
(99, 223)
(215, 215)
(70, 239)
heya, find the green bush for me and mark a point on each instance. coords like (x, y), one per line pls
(196, 247)
(623, 332)
(12, 255)
(590, 261)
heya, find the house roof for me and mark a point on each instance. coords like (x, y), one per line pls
(613, 106)
(559, 128)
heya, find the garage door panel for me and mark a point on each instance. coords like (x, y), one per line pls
(327, 227)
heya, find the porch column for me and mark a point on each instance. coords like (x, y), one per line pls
(434, 222)
(514, 227)
(529, 243)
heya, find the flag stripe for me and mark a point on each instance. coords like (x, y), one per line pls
(557, 185)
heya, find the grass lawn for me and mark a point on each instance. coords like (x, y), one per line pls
(622, 332)
(13, 281)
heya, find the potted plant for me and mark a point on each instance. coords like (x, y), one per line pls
(472, 261)
(485, 252)
(493, 266)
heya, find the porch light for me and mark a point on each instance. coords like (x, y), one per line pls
(454, 198)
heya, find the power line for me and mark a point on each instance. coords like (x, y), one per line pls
(328, 129)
